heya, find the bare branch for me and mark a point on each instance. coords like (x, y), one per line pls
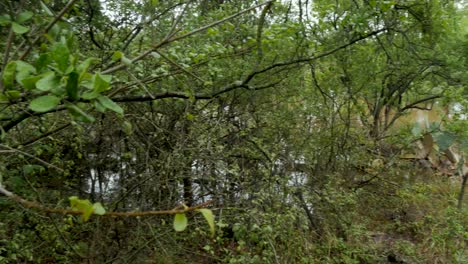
(410, 106)
(413, 105)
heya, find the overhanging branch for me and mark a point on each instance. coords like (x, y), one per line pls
(303, 60)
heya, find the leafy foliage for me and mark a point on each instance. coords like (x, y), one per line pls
(316, 131)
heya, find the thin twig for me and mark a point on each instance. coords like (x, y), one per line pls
(49, 26)
(180, 66)
(177, 21)
(32, 156)
(31, 141)
(260, 25)
(142, 85)
(313, 58)
(170, 39)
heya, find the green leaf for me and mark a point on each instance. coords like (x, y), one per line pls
(69, 69)
(17, 182)
(208, 214)
(46, 9)
(13, 94)
(90, 95)
(44, 103)
(180, 222)
(109, 104)
(84, 66)
(99, 209)
(72, 86)
(24, 70)
(48, 81)
(9, 74)
(87, 80)
(79, 204)
(73, 200)
(155, 55)
(43, 61)
(60, 55)
(434, 126)
(87, 212)
(464, 145)
(98, 106)
(19, 29)
(30, 82)
(212, 31)
(24, 16)
(117, 55)
(5, 20)
(101, 83)
(84, 206)
(444, 140)
(79, 114)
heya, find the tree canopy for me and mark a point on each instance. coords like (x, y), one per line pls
(230, 131)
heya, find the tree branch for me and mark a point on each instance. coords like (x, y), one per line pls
(31, 141)
(26, 115)
(180, 66)
(410, 106)
(48, 27)
(327, 53)
(413, 105)
(34, 205)
(168, 39)
(228, 88)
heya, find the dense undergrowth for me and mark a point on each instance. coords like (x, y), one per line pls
(384, 222)
(414, 223)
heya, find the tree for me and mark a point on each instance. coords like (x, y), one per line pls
(273, 114)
